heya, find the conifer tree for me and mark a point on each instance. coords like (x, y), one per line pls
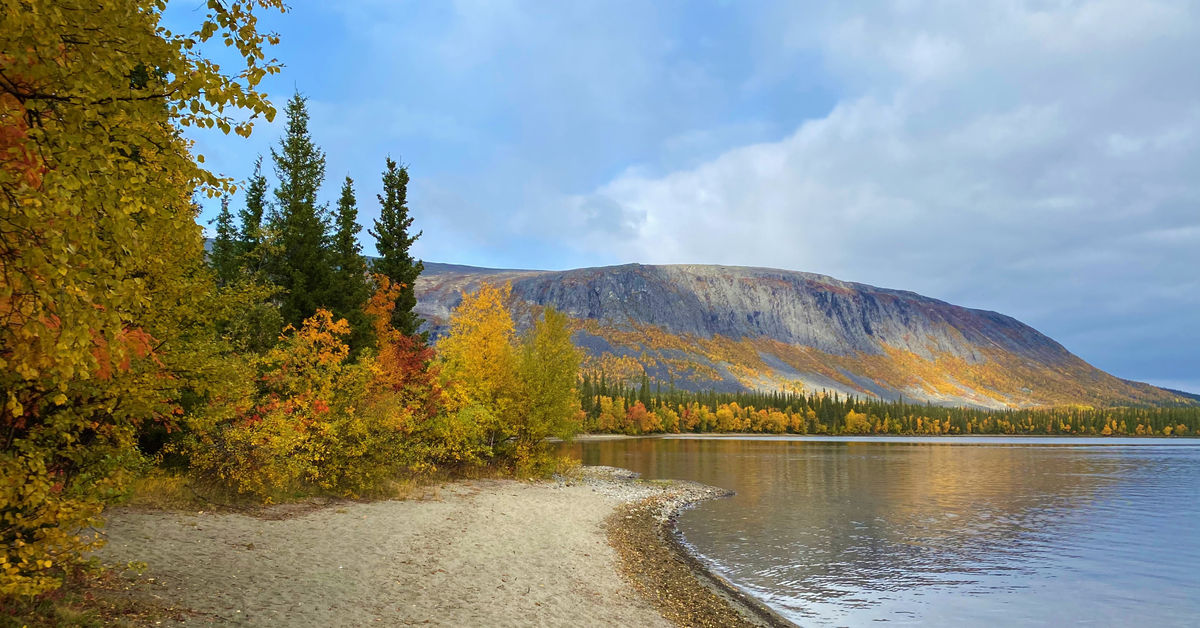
(393, 242)
(300, 264)
(224, 254)
(350, 270)
(252, 214)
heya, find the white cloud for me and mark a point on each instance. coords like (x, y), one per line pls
(1034, 158)
(1038, 158)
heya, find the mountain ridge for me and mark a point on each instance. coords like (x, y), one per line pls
(736, 327)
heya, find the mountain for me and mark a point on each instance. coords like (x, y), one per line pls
(1181, 393)
(730, 328)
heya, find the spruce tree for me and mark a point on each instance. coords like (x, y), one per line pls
(299, 263)
(224, 254)
(393, 242)
(252, 214)
(350, 270)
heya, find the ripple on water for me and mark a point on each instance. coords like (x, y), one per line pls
(998, 532)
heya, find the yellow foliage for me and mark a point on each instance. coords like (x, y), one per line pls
(99, 253)
(508, 395)
(547, 369)
(477, 356)
(478, 362)
(726, 420)
(313, 426)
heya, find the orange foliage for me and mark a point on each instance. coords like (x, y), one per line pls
(404, 364)
(130, 343)
(16, 152)
(641, 420)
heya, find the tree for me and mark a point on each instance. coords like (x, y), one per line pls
(404, 362)
(101, 260)
(307, 428)
(224, 256)
(856, 423)
(408, 383)
(252, 214)
(548, 370)
(300, 264)
(478, 363)
(393, 243)
(350, 270)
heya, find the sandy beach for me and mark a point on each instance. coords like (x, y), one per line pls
(476, 553)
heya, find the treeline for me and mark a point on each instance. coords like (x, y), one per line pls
(307, 254)
(649, 409)
(275, 366)
(339, 391)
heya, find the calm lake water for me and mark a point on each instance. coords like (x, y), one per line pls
(943, 531)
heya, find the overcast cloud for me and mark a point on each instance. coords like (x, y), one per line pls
(1039, 159)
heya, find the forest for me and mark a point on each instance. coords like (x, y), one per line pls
(646, 408)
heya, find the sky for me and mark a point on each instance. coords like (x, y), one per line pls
(1040, 159)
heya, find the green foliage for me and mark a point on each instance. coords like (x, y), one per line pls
(225, 256)
(244, 315)
(299, 225)
(100, 256)
(393, 243)
(547, 373)
(829, 413)
(350, 271)
(250, 232)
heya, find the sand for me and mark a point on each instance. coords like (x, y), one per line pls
(480, 553)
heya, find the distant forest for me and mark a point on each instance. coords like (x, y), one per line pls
(649, 409)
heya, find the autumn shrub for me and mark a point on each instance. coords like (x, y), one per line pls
(405, 386)
(319, 423)
(457, 438)
(308, 427)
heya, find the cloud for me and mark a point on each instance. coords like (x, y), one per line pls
(1038, 159)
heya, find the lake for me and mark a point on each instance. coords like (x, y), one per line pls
(942, 531)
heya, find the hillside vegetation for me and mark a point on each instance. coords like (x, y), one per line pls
(735, 329)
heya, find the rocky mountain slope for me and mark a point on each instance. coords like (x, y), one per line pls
(731, 328)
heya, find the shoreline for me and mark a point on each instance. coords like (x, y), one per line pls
(473, 552)
(658, 562)
(1122, 439)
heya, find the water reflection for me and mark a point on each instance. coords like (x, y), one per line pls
(1004, 532)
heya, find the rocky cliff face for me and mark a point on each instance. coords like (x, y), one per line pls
(728, 328)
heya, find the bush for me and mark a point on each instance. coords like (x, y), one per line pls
(309, 427)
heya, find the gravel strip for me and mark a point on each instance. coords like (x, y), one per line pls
(657, 563)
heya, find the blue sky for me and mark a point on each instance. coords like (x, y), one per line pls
(1035, 158)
